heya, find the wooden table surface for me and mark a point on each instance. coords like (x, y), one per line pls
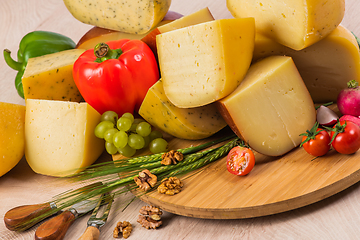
(337, 217)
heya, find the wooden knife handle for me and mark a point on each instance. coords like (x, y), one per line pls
(91, 233)
(56, 227)
(14, 218)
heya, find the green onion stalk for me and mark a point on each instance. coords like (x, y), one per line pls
(107, 174)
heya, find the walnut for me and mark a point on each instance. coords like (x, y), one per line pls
(122, 227)
(150, 217)
(150, 210)
(171, 157)
(148, 222)
(170, 186)
(146, 180)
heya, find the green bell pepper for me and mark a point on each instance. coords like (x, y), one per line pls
(35, 44)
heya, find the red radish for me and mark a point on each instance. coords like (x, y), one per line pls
(348, 100)
(350, 118)
(325, 116)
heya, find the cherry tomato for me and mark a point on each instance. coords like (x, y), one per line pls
(345, 137)
(240, 161)
(318, 145)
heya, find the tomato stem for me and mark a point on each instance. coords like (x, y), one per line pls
(311, 134)
(338, 128)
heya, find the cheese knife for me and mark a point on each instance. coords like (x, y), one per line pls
(94, 223)
(16, 218)
(56, 227)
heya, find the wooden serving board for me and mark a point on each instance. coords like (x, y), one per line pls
(275, 185)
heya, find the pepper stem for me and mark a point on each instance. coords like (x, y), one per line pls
(103, 52)
(11, 62)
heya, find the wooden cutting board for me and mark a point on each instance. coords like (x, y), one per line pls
(275, 185)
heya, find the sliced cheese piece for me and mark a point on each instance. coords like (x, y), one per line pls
(12, 138)
(325, 66)
(201, 16)
(59, 136)
(136, 17)
(191, 123)
(295, 24)
(50, 77)
(271, 107)
(203, 63)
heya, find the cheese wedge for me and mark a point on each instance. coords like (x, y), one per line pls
(191, 123)
(136, 17)
(271, 107)
(203, 63)
(296, 24)
(201, 16)
(59, 136)
(12, 138)
(50, 77)
(325, 66)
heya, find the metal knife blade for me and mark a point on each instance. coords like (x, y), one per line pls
(95, 222)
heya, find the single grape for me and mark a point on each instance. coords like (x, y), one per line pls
(110, 148)
(129, 115)
(136, 141)
(120, 139)
(102, 127)
(109, 134)
(147, 141)
(127, 151)
(124, 124)
(135, 123)
(158, 145)
(155, 134)
(143, 129)
(109, 116)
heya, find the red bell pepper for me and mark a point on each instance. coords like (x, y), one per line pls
(116, 76)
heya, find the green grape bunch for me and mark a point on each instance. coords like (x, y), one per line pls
(126, 135)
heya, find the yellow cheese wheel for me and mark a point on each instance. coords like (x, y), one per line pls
(12, 138)
(325, 66)
(271, 107)
(50, 77)
(59, 136)
(203, 63)
(186, 123)
(296, 23)
(135, 17)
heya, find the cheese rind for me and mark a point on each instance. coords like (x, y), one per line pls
(97, 34)
(203, 63)
(50, 77)
(136, 17)
(295, 24)
(12, 138)
(59, 136)
(201, 16)
(271, 107)
(325, 66)
(191, 123)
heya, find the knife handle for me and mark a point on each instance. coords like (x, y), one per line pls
(91, 233)
(56, 227)
(16, 217)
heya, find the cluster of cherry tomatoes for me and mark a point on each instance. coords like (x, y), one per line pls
(344, 137)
